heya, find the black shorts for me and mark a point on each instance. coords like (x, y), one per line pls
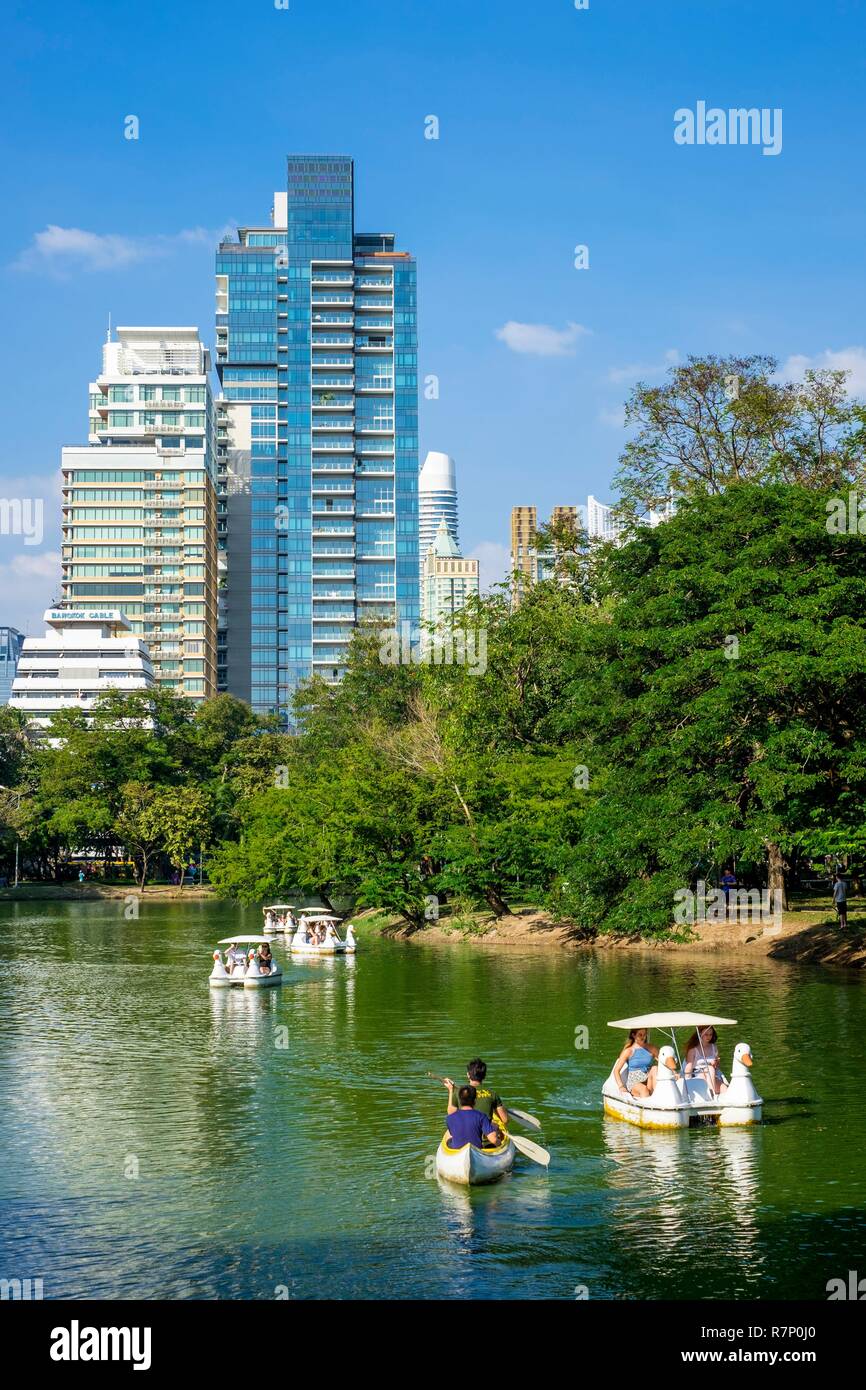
(841, 908)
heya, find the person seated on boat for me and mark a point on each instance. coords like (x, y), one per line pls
(264, 959)
(703, 1061)
(290, 921)
(235, 957)
(641, 1056)
(269, 920)
(486, 1098)
(466, 1125)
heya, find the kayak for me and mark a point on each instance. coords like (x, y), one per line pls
(470, 1165)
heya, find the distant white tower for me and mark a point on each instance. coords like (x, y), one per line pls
(437, 501)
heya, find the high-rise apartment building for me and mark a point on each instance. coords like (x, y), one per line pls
(11, 642)
(448, 579)
(437, 501)
(316, 350)
(529, 564)
(602, 524)
(139, 502)
(524, 555)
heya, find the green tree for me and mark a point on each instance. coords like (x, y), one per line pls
(723, 420)
(723, 706)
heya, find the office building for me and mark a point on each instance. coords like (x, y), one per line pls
(448, 579)
(139, 502)
(316, 350)
(85, 651)
(11, 642)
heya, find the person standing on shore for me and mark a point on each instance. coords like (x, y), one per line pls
(840, 899)
(729, 881)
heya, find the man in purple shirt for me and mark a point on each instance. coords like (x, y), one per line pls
(466, 1125)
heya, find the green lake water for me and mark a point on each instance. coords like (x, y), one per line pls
(165, 1140)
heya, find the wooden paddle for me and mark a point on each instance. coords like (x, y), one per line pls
(523, 1118)
(530, 1149)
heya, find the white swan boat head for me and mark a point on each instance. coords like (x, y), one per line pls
(240, 968)
(677, 1101)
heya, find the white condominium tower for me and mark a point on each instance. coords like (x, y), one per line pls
(139, 502)
(85, 651)
(601, 524)
(437, 501)
(447, 579)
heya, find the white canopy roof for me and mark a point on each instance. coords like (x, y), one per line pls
(321, 917)
(672, 1020)
(244, 941)
(279, 907)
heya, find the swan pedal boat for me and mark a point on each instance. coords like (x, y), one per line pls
(680, 1102)
(248, 976)
(271, 914)
(300, 944)
(470, 1165)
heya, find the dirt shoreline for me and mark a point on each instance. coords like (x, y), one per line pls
(808, 935)
(89, 892)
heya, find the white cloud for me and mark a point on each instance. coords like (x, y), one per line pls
(494, 562)
(29, 583)
(540, 339)
(645, 371)
(615, 418)
(850, 359)
(63, 249)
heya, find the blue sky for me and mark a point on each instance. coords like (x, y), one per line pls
(555, 129)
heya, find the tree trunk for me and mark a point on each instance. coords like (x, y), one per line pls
(776, 867)
(496, 901)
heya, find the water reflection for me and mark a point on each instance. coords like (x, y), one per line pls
(687, 1196)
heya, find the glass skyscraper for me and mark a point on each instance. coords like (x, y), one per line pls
(316, 348)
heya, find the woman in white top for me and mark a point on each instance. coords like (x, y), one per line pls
(702, 1059)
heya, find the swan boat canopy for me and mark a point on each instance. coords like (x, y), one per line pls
(678, 1101)
(247, 972)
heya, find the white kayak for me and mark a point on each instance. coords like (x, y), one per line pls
(470, 1165)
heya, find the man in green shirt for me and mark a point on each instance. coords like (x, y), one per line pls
(486, 1099)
